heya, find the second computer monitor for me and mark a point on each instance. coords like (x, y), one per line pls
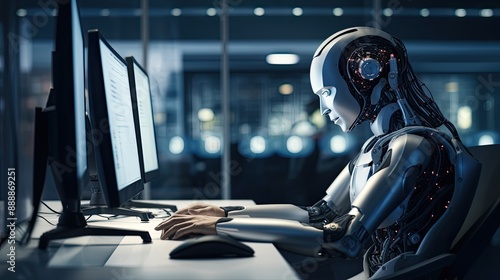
(144, 121)
(116, 150)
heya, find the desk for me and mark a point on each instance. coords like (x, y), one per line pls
(127, 258)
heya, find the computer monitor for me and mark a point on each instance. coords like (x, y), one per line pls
(116, 152)
(143, 117)
(69, 145)
(61, 136)
(145, 131)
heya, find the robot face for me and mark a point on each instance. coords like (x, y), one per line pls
(341, 108)
(336, 101)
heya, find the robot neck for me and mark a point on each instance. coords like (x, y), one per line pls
(383, 123)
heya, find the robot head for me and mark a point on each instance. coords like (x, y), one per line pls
(349, 74)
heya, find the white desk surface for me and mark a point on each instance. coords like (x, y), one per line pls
(127, 258)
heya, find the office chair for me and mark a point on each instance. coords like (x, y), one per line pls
(477, 230)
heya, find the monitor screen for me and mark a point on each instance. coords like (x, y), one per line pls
(116, 153)
(143, 115)
(121, 119)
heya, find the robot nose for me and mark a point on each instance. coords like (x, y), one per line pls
(326, 112)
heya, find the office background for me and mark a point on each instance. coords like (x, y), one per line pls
(282, 149)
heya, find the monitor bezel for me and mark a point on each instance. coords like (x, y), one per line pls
(64, 145)
(99, 119)
(149, 175)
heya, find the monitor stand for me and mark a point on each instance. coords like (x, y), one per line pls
(98, 206)
(144, 204)
(71, 222)
(74, 225)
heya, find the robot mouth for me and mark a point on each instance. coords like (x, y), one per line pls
(335, 120)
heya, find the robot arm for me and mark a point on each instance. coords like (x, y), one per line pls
(335, 202)
(382, 197)
(289, 235)
(288, 226)
(393, 182)
(277, 211)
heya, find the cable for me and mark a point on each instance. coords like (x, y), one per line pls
(423, 102)
(54, 211)
(52, 224)
(108, 217)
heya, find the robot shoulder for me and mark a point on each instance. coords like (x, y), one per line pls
(404, 151)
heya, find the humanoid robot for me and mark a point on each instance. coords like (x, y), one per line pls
(411, 179)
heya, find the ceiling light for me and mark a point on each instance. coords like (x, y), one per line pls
(460, 12)
(485, 139)
(21, 12)
(212, 144)
(486, 12)
(176, 145)
(259, 11)
(387, 12)
(294, 144)
(338, 144)
(211, 12)
(425, 12)
(206, 115)
(464, 117)
(285, 89)
(282, 58)
(258, 144)
(176, 12)
(338, 12)
(297, 11)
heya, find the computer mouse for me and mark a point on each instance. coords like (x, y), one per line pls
(211, 246)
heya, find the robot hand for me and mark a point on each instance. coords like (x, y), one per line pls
(179, 226)
(200, 208)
